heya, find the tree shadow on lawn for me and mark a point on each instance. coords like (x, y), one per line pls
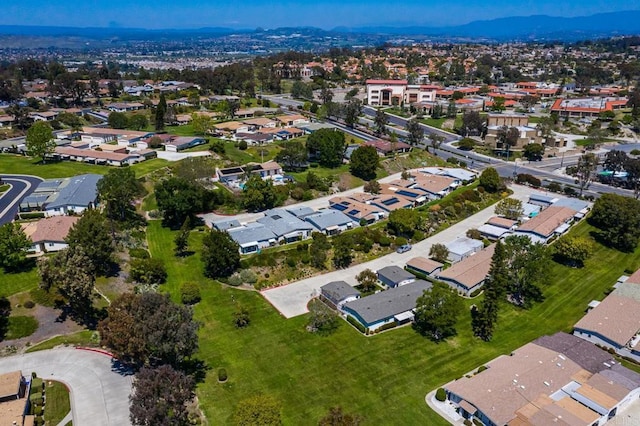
(195, 368)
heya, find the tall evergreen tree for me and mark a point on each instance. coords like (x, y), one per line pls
(484, 317)
(161, 110)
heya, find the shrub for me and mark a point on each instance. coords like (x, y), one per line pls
(354, 322)
(474, 234)
(37, 410)
(441, 395)
(400, 241)
(475, 292)
(291, 262)
(241, 317)
(477, 422)
(452, 160)
(481, 369)
(248, 276)
(384, 241)
(467, 422)
(138, 253)
(222, 375)
(148, 271)
(242, 145)
(386, 327)
(38, 421)
(190, 293)
(235, 280)
(29, 304)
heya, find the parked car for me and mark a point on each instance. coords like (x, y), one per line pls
(403, 248)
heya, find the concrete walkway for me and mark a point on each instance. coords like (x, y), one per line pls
(291, 300)
(99, 390)
(445, 409)
(68, 418)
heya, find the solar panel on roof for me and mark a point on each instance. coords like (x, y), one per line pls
(390, 201)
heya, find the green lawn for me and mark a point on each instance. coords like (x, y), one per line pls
(186, 130)
(21, 326)
(385, 377)
(16, 164)
(58, 404)
(17, 283)
(81, 338)
(4, 188)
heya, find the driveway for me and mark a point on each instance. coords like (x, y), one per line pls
(177, 156)
(291, 300)
(99, 392)
(21, 186)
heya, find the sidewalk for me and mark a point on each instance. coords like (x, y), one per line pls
(445, 409)
(291, 299)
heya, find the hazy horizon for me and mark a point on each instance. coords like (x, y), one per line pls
(327, 14)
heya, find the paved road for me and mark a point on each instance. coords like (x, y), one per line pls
(21, 186)
(291, 300)
(99, 393)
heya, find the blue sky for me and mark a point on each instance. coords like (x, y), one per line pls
(273, 14)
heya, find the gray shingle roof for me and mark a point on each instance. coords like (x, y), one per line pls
(79, 190)
(301, 212)
(252, 232)
(338, 290)
(394, 274)
(585, 354)
(281, 222)
(388, 303)
(327, 218)
(225, 224)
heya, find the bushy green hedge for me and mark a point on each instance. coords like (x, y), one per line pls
(441, 395)
(139, 253)
(190, 293)
(356, 324)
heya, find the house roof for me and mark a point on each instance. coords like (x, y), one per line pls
(282, 223)
(251, 233)
(79, 190)
(423, 264)
(502, 222)
(388, 82)
(325, 219)
(493, 231)
(10, 383)
(338, 290)
(547, 221)
(90, 153)
(617, 318)
(183, 141)
(386, 146)
(472, 270)
(352, 208)
(226, 224)
(388, 303)
(463, 245)
(259, 121)
(433, 184)
(394, 274)
(300, 211)
(50, 229)
(572, 203)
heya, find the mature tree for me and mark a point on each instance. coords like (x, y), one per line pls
(231, 106)
(181, 239)
(508, 137)
(149, 271)
(435, 140)
(138, 122)
(161, 110)
(160, 397)
(439, 252)
(546, 127)
(466, 144)
(336, 417)
(178, 199)
(351, 112)
(118, 120)
(403, 222)
(326, 95)
(437, 312)
(92, 233)
(318, 249)
(20, 114)
(472, 122)
(573, 250)
(293, 156)
(436, 111)
(415, 132)
(484, 317)
(528, 101)
(585, 170)
(527, 263)
(200, 123)
(117, 190)
(14, 244)
(595, 135)
(380, 122)
(149, 329)
(342, 251)
(533, 151)
(367, 280)
(71, 272)
(328, 146)
(452, 110)
(632, 167)
(39, 140)
(490, 180)
(618, 220)
(258, 194)
(220, 254)
(498, 104)
(372, 187)
(322, 319)
(615, 160)
(364, 162)
(301, 90)
(510, 208)
(261, 410)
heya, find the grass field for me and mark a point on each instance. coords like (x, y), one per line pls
(17, 283)
(81, 338)
(384, 378)
(21, 326)
(17, 164)
(58, 404)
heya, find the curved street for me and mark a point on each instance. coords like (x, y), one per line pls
(99, 390)
(21, 186)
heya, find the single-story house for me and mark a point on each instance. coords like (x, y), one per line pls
(542, 200)
(125, 106)
(390, 202)
(503, 222)
(266, 170)
(337, 293)
(252, 237)
(74, 195)
(462, 175)
(285, 226)
(14, 401)
(313, 127)
(254, 138)
(356, 210)
(493, 232)
(386, 148)
(44, 116)
(331, 222)
(301, 211)
(548, 223)
(232, 127)
(394, 276)
(48, 234)
(435, 186)
(395, 305)
(226, 224)
(469, 274)
(463, 247)
(416, 196)
(289, 120)
(259, 122)
(96, 157)
(529, 211)
(182, 143)
(424, 266)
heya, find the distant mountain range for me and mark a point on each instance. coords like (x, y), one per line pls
(537, 27)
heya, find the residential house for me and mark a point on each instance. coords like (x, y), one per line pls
(405, 189)
(391, 306)
(469, 274)
(554, 380)
(337, 293)
(253, 237)
(96, 157)
(542, 200)
(359, 212)
(314, 127)
(424, 266)
(463, 247)
(256, 124)
(235, 175)
(289, 120)
(73, 196)
(48, 234)
(232, 127)
(254, 138)
(435, 186)
(391, 202)
(386, 148)
(125, 106)
(14, 401)
(462, 176)
(330, 222)
(285, 226)
(550, 222)
(498, 227)
(43, 116)
(394, 276)
(226, 224)
(183, 142)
